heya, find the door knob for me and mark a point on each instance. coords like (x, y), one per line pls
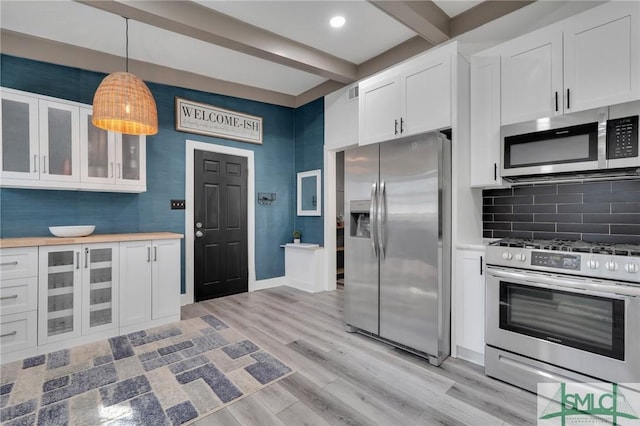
(198, 225)
(199, 234)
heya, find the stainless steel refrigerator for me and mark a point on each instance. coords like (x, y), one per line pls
(398, 243)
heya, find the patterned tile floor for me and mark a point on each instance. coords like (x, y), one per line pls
(163, 376)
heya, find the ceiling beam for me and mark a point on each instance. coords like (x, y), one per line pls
(424, 17)
(194, 20)
(482, 13)
(41, 49)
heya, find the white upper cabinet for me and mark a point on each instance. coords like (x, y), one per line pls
(98, 151)
(19, 138)
(341, 118)
(51, 143)
(40, 140)
(531, 77)
(584, 62)
(426, 94)
(59, 141)
(411, 98)
(111, 161)
(601, 56)
(485, 121)
(379, 108)
(131, 161)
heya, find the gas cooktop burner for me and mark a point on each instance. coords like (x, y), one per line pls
(571, 245)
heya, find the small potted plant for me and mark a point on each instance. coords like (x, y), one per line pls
(296, 236)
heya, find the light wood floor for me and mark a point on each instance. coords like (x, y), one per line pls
(345, 378)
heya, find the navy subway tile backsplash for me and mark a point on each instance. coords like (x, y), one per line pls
(606, 211)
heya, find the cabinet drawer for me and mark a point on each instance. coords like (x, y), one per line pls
(18, 295)
(18, 263)
(18, 331)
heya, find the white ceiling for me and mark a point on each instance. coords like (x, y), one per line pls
(368, 33)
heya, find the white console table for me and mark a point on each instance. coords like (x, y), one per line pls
(304, 266)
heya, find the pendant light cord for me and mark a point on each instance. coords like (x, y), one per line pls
(127, 43)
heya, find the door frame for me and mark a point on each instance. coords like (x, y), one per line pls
(191, 147)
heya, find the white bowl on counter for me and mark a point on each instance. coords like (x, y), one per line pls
(72, 231)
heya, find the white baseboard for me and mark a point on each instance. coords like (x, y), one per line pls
(470, 355)
(269, 283)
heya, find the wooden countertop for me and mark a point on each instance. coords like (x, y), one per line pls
(95, 238)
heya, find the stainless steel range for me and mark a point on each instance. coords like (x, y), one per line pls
(562, 311)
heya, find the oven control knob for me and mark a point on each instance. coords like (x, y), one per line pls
(521, 257)
(593, 264)
(507, 255)
(631, 267)
(611, 266)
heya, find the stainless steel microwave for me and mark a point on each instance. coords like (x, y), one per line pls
(595, 140)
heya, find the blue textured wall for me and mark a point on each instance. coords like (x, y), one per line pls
(309, 155)
(30, 212)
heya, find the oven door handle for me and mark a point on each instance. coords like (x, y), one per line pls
(608, 289)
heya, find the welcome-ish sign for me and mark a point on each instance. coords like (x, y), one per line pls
(194, 117)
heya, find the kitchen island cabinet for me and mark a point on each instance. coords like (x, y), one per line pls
(61, 292)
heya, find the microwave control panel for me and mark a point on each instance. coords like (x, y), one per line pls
(622, 137)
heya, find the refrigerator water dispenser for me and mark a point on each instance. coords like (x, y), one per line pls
(360, 224)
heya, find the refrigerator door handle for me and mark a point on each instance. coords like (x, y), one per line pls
(381, 219)
(372, 218)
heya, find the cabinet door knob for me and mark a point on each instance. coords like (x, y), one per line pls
(396, 127)
(35, 163)
(13, 333)
(44, 164)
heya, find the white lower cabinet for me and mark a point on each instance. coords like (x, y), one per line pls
(150, 280)
(54, 297)
(78, 291)
(18, 300)
(470, 305)
(135, 279)
(100, 275)
(18, 332)
(165, 275)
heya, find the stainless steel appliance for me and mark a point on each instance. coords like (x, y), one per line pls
(398, 243)
(559, 311)
(602, 141)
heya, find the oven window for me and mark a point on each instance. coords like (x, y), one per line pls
(591, 323)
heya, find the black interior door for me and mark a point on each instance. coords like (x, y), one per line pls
(220, 225)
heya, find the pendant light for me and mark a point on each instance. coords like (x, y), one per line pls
(123, 103)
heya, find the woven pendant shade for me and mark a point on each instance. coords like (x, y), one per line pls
(124, 104)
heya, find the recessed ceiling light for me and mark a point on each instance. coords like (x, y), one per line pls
(337, 21)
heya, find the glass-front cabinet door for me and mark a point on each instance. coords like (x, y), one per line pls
(19, 137)
(131, 160)
(59, 295)
(100, 274)
(97, 151)
(59, 142)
